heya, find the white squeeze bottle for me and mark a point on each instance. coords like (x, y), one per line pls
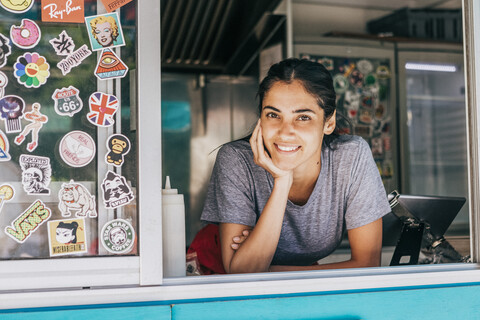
(173, 230)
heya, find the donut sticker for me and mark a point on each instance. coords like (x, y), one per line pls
(17, 6)
(67, 237)
(11, 111)
(36, 173)
(77, 149)
(67, 101)
(104, 31)
(102, 108)
(5, 49)
(4, 147)
(118, 146)
(110, 66)
(37, 120)
(3, 83)
(27, 35)
(31, 70)
(29, 221)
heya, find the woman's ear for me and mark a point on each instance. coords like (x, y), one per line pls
(330, 123)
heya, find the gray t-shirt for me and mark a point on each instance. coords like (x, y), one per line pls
(348, 194)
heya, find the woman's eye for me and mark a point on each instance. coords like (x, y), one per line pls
(304, 118)
(272, 115)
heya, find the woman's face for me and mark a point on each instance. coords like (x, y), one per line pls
(293, 126)
(104, 34)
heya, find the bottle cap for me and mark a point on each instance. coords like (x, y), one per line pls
(168, 189)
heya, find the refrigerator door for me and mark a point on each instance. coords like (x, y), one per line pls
(364, 80)
(433, 126)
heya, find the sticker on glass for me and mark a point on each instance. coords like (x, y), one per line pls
(118, 236)
(112, 5)
(104, 31)
(63, 11)
(5, 49)
(37, 120)
(327, 63)
(74, 198)
(4, 147)
(26, 35)
(364, 66)
(66, 237)
(17, 6)
(28, 222)
(118, 146)
(383, 72)
(11, 111)
(102, 108)
(7, 193)
(116, 192)
(356, 78)
(3, 83)
(77, 149)
(36, 173)
(74, 60)
(31, 70)
(67, 101)
(340, 83)
(110, 66)
(63, 45)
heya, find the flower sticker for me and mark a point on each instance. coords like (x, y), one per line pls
(31, 70)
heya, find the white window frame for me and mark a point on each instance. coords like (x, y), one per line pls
(146, 268)
(265, 284)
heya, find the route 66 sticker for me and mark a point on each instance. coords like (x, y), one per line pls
(67, 101)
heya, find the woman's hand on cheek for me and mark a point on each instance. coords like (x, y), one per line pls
(262, 158)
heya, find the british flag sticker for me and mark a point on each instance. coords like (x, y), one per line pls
(102, 109)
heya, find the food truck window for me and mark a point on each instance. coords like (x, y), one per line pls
(69, 128)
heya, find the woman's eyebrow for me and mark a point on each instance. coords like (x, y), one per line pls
(294, 111)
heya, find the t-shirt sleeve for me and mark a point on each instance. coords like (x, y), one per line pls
(229, 196)
(366, 197)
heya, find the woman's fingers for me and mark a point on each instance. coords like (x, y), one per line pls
(238, 240)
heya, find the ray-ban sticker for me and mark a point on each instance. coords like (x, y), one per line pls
(36, 173)
(67, 237)
(118, 146)
(77, 149)
(37, 120)
(7, 192)
(63, 11)
(28, 222)
(74, 198)
(118, 236)
(67, 101)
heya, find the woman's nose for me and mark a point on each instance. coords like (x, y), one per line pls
(287, 128)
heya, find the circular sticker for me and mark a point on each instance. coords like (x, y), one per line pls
(340, 83)
(17, 6)
(356, 78)
(118, 236)
(77, 149)
(383, 72)
(364, 66)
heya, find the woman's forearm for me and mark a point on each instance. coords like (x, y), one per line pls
(256, 253)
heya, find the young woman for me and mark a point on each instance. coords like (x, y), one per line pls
(283, 199)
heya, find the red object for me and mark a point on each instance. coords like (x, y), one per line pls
(207, 246)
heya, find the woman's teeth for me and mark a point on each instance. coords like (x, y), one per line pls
(282, 148)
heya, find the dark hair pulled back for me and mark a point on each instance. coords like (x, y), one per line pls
(316, 80)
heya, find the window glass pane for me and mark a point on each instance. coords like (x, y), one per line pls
(54, 153)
